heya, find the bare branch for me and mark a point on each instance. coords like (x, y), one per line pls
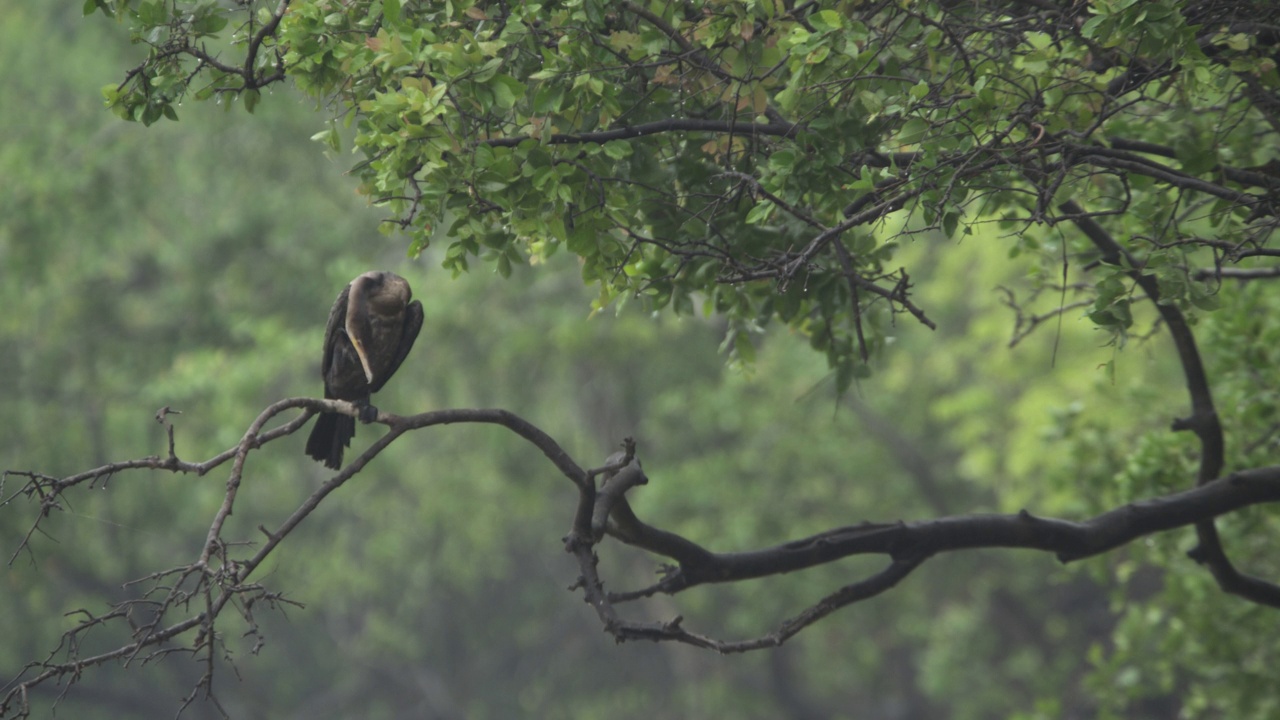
(1232, 273)
(217, 579)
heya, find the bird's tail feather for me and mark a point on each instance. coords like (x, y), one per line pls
(332, 433)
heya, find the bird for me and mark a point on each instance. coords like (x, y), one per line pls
(371, 329)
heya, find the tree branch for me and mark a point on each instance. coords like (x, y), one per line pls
(216, 577)
(627, 132)
(1204, 417)
(1232, 273)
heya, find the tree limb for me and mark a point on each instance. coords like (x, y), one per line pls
(1203, 420)
(216, 577)
(627, 132)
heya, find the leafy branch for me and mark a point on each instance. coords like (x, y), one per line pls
(768, 159)
(1203, 421)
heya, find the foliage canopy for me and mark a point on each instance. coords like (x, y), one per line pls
(748, 156)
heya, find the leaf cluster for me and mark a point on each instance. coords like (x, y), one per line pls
(762, 160)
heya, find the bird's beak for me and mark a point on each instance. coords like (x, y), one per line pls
(357, 317)
(364, 359)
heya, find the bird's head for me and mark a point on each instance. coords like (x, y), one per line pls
(376, 292)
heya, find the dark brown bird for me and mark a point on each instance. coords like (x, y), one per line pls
(371, 328)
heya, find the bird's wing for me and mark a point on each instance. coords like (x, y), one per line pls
(409, 333)
(333, 331)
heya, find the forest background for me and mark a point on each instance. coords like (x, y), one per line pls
(191, 265)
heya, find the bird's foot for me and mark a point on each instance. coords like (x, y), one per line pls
(368, 414)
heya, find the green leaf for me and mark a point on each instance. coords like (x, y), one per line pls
(1093, 26)
(391, 11)
(506, 91)
(782, 160)
(1204, 297)
(208, 23)
(1239, 41)
(153, 13)
(913, 131)
(759, 212)
(826, 20)
(618, 149)
(1115, 315)
(330, 138)
(743, 348)
(151, 113)
(548, 98)
(950, 222)
(818, 55)
(844, 375)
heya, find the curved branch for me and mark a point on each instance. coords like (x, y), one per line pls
(268, 29)
(1067, 540)
(217, 578)
(1128, 162)
(1203, 421)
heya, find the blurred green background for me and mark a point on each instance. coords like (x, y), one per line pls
(193, 265)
